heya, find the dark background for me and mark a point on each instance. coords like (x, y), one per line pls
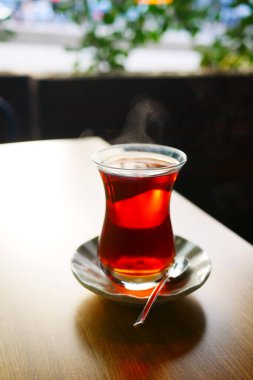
(209, 117)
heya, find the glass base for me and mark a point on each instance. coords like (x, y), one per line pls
(133, 282)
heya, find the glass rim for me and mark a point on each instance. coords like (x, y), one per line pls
(156, 149)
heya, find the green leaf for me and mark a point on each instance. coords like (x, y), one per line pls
(109, 18)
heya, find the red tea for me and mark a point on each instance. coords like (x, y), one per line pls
(137, 242)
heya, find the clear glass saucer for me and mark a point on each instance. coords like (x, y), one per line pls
(84, 265)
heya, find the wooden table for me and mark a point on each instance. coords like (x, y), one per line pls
(51, 201)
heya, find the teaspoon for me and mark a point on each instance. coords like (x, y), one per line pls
(179, 267)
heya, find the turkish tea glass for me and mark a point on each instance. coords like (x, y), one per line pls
(137, 243)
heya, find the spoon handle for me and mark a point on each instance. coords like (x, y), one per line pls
(143, 315)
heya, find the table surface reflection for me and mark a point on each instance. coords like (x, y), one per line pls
(51, 201)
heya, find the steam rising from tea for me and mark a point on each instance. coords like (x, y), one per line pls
(144, 124)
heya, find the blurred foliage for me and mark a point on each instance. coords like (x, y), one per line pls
(112, 28)
(233, 47)
(5, 34)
